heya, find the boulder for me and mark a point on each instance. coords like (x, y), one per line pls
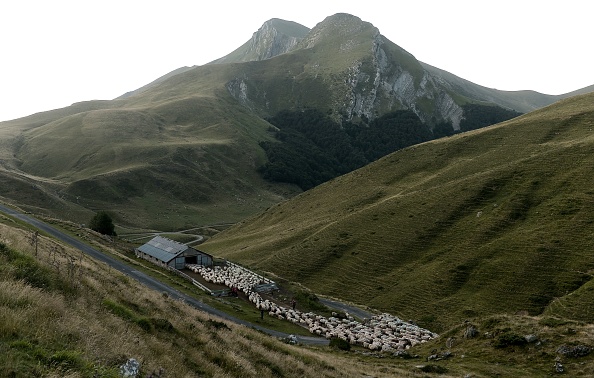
(450, 342)
(130, 369)
(574, 351)
(470, 332)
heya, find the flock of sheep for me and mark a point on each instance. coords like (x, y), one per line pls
(383, 332)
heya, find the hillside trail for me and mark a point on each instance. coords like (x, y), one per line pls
(7, 168)
(133, 236)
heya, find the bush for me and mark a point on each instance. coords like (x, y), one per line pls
(509, 339)
(434, 369)
(340, 344)
(216, 324)
(33, 273)
(144, 323)
(26, 268)
(308, 301)
(102, 223)
(552, 322)
(162, 324)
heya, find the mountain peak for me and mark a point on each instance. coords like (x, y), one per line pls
(344, 18)
(285, 27)
(274, 37)
(339, 25)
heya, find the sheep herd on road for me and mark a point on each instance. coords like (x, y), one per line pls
(382, 332)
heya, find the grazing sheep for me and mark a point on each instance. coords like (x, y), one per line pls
(383, 332)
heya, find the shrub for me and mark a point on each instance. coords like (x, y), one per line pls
(216, 324)
(144, 323)
(340, 344)
(509, 339)
(32, 272)
(28, 269)
(162, 324)
(434, 369)
(309, 302)
(491, 323)
(102, 223)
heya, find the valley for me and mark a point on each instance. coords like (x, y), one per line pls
(333, 162)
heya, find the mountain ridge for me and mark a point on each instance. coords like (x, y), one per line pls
(382, 85)
(202, 127)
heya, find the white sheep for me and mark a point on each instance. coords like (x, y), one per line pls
(381, 332)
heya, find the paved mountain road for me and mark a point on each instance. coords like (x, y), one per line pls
(148, 280)
(355, 311)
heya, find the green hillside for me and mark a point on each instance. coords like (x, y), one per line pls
(178, 155)
(497, 220)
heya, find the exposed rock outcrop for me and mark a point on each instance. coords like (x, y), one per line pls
(390, 81)
(274, 37)
(574, 351)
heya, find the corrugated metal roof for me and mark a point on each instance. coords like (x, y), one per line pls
(162, 248)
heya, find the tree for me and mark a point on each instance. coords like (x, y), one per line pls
(102, 223)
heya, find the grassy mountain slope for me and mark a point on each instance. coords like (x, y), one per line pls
(157, 81)
(522, 101)
(492, 221)
(180, 154)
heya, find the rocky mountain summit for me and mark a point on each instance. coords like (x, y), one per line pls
(275, 37)
(358, 74)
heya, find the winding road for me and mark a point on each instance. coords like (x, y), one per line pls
(147, 280)
(355, 311)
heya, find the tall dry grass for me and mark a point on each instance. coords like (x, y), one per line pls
(90, 319)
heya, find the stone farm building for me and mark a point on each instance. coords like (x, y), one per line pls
(169, 253)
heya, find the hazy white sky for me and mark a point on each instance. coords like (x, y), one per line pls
(55, 53)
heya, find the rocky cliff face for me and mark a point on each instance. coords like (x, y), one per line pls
(269, 41)
(389, 85)
(390, 78)
(274, 37)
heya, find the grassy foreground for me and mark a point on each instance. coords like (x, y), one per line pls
(64, 315)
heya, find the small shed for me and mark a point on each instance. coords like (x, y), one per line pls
(169, 253)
